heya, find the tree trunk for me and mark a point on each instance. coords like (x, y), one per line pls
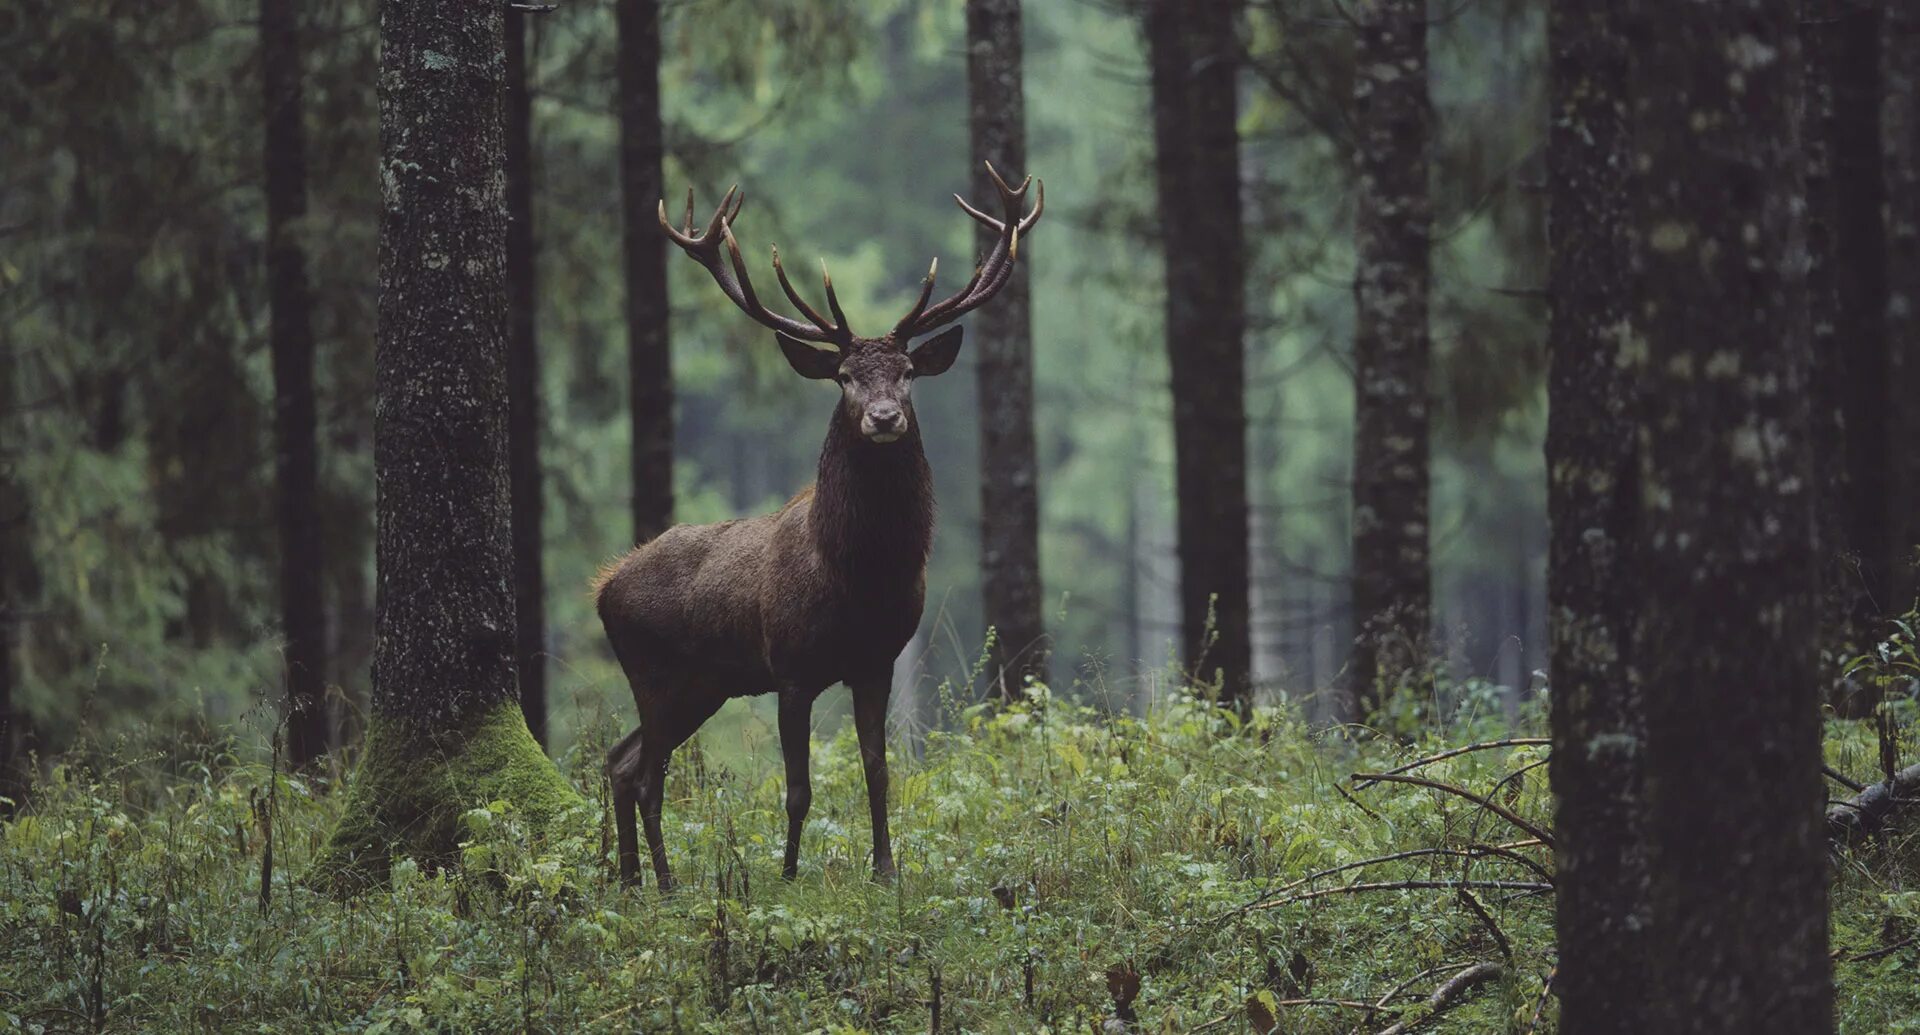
(649, 356)
(1592, 501)
(1901, 140)
(1847, 242)
(1726, 562)
(523, 392)
(15, 555)
(1009, 485)
(1392, 584)
(296, 448)
(446, 730)
(1194, 57)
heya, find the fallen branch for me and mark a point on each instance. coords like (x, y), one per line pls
(1448, 995)
(1843, 779)
(1486, 745)
(1840, 955)
(1862, 816)
(1533, 887)
(1505, 851)
(1486, 803)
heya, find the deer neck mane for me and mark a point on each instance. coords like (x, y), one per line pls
(873, 503)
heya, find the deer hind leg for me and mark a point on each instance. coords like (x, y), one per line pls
(623, 762)
(670, 728)
(796, 729)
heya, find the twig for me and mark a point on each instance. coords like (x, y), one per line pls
(1486, 920)
(1843, 779)
(1448, 995)
(1840, 955)
(1487, 745)
(1491, 806)
(1540, 1007)
(1346, 1004)
(1470, 852)
(1404, 983)
(1403, 885)
(1355, 802)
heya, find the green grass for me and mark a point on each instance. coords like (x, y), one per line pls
(1045, 853)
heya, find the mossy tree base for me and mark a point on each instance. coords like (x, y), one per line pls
(413, 784)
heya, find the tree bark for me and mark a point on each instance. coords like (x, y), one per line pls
(446, 730)
(523, 392)
(1726, 563)
(649, 355)
(1847, 245)
(1901, 140)
(15, 555)
(296, 448)
(1592, 499)
(1009, 482)
(1194, 57)
(1392, 584)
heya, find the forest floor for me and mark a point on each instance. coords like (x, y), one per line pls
(1060, 870)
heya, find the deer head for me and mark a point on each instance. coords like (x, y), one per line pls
(876, 375)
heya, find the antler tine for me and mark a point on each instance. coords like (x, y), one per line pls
(993, 272)
(819, 322)
(833, 301)
(919, 305)
(704, 247)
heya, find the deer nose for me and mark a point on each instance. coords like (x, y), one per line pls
(884, 422)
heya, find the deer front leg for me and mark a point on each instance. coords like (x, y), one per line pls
(796, 728)
(870, 722)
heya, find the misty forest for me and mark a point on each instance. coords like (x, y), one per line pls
(1275, 516)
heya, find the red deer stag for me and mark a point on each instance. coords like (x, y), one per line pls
(826, 590)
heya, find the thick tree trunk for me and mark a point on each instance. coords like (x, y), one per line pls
(1726, 565)
(1392, 584)
(1194, 57)
(649, 356)
(1592, 501)
(1009, 482)
(446, 729)
(296, 449)
(523, 392)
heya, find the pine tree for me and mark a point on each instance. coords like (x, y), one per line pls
(1592, 503)
(1725, 564)
(1195, 57)
(1392, 584)
(290, 334)
(1009, 480)
(446, 729)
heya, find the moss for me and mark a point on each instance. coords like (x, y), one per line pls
(412, 785)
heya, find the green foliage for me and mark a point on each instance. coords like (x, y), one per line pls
(1047, 852)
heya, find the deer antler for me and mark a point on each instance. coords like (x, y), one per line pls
(704, 247)
(992, 274)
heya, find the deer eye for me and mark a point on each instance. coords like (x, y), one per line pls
(844, 378)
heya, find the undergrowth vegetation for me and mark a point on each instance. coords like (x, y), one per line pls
(1060, 870)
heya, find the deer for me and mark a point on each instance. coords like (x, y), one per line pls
(826, 590)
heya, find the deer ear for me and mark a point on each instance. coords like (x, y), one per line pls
(807, 361)
(936, 354)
